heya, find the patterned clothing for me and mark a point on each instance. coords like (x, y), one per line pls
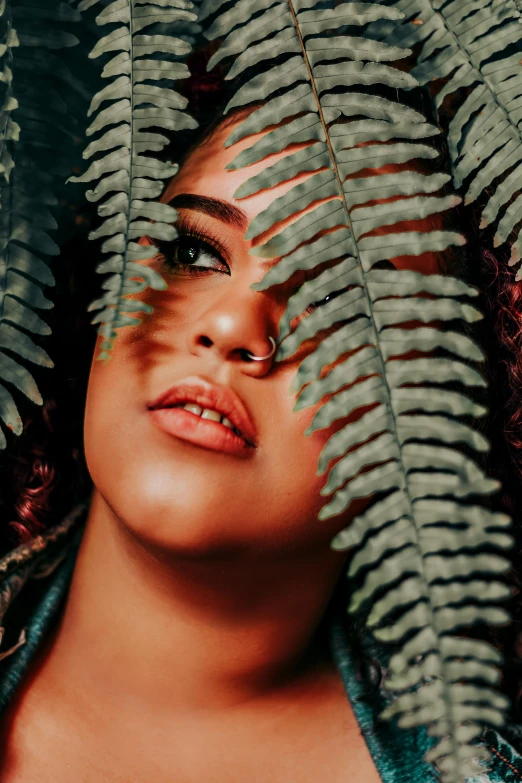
(34, 583)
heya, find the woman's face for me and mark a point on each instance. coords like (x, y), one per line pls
(174, 494)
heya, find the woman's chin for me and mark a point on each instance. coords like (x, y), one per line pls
(183, 512)
(181, 538)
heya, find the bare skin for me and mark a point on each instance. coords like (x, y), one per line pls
(186, 650)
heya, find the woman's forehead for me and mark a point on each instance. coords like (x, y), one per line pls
(204, 172)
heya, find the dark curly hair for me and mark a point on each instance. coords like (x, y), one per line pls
(44, 469)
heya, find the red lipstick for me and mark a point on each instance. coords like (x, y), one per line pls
(239, 437)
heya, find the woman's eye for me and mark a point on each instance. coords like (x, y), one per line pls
(192, 255)
(310, 309)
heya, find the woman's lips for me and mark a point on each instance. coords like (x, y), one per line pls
(205, 394)
(202, 432)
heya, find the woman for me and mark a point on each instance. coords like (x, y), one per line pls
(185, 621)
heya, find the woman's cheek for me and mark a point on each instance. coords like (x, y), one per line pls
(316, 442)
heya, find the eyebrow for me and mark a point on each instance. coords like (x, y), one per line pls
(221, 210)
(215, 208)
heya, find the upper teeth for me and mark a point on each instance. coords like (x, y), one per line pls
(209, 413)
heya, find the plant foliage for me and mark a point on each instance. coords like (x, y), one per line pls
(137, 102)
(34, 137)
(472, 51)
(408, 444)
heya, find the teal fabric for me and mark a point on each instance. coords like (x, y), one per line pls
(47, 610)
(397, 754)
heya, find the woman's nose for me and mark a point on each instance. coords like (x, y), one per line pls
(235, 327)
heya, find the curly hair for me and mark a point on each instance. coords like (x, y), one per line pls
(44, 469)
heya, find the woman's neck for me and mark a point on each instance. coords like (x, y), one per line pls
(189, 634)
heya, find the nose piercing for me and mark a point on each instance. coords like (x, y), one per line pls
(261, 358)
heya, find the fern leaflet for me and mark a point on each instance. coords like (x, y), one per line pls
(474, 47)
(418, 544)
(34, 129)
(135, 105)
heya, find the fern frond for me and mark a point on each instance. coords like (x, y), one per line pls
(34, 132)
(417, 548)
(474, 47)
(127, 115)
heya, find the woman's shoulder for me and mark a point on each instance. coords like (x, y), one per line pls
(399, 754)
(505, 748)
(34, 580)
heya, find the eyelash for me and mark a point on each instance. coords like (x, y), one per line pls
(204, 241)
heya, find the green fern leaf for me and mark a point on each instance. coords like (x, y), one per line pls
(457, 40)
(34, 129)
(417, 549)
(125, 112)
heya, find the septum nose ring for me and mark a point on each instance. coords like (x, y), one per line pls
(262, 358)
